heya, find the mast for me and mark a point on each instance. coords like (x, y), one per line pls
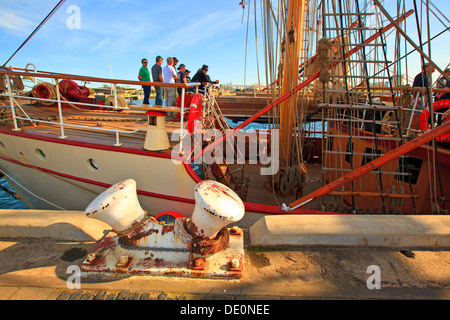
(292, 48)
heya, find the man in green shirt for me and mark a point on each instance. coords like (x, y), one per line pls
(144, 75)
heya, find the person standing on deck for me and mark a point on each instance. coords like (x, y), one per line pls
(157, 77)
(175, 62)
(169, 76)
(443, 83)
(188, 79)
(422, 80)
(202, 77)
(181, 76)
(144, 75)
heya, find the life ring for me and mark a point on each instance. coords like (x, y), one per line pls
(187, 102)
(424, 123)
(195, 111)
(168, 217)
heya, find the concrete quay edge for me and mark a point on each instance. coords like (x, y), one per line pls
(399, 231)
(50, 224)
(395, 231)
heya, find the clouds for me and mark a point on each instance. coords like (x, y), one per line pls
(119, 33)
(10, 21)
(211, 27)
(101, 44)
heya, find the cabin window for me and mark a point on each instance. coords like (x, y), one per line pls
(370, 155)
(2, 146)
(40, 154)
(409, 165)
(92, 164)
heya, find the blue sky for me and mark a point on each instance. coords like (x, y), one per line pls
(120, 33)
(116, 34)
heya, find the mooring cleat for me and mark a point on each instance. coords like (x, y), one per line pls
(199, 246)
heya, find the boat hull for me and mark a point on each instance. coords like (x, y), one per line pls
(59, 174)
(56, 175)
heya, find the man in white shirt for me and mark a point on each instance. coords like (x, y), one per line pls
(169, 76)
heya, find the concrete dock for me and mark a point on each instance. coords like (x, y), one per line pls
(286, 257)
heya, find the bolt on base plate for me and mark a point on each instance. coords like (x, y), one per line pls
(113, 259)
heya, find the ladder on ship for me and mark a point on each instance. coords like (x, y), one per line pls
(352, 97)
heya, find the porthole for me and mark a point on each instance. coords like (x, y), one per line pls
(92, 164)
(40, 154)
(2, 146)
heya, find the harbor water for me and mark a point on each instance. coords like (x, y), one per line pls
(7, 201)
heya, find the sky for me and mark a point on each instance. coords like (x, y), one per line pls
(111, 37)
(115, 35)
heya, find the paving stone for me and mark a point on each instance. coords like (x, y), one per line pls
(65, 295)
(162, 296)
(76, 295)
(55, 294)
(134, 296)
(123, 295)
(100, 295)
(87, 296)
(145, 296)
(111, 296)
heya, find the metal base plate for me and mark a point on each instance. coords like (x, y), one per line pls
(112, 259)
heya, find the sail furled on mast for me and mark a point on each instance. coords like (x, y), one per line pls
(293, 36)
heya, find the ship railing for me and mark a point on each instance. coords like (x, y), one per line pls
(59, 100)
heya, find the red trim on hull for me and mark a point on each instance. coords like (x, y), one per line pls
(98, 183)
(251, 207)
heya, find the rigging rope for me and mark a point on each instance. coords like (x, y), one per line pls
(60, 3)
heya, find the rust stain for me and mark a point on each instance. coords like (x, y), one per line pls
(167, 228)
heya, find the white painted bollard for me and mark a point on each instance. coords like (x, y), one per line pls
(216, 206)
(117, 206)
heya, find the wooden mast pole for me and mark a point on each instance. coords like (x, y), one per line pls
(293, 41)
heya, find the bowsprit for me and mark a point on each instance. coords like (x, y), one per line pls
(199, 246)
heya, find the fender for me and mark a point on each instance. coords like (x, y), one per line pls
(195, 111)
(424, 124)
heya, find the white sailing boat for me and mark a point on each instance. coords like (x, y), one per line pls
(328, 57)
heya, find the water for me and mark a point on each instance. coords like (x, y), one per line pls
(6, 200)
(313, 126)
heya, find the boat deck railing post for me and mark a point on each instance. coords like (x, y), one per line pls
(61, 121)
(416, 99)
(117, 144)
(115, 95)
(183, 91)
(16, 128)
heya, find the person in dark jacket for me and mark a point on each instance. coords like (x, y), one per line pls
(422, 80)
(202, 77)
(443, 83)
